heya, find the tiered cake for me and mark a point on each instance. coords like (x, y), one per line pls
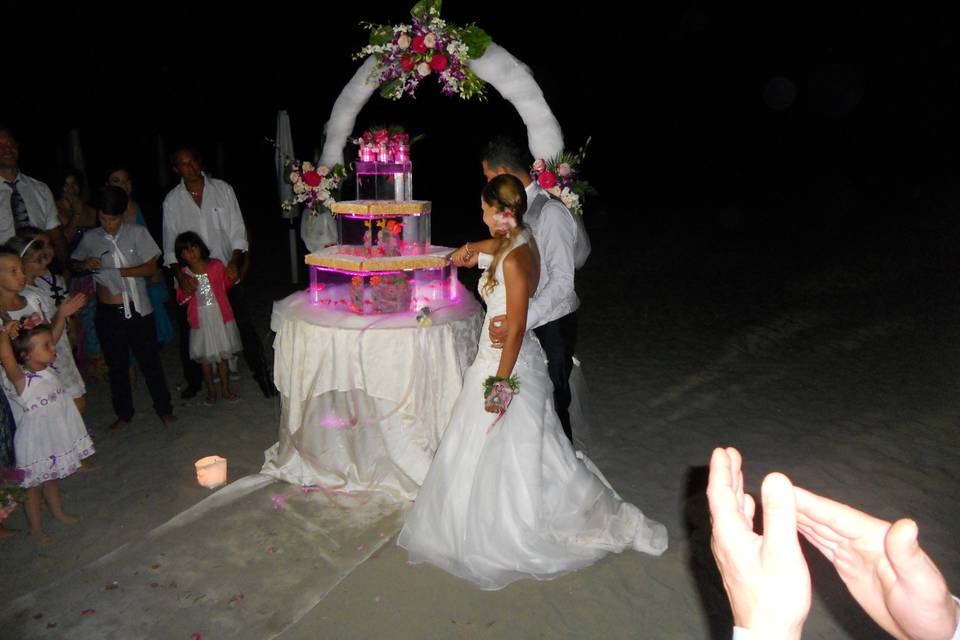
(383, 261)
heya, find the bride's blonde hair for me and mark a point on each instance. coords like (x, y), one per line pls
(507, 195)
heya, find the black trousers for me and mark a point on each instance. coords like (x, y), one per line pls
(119, 336)
(253, 352)
(559, 339)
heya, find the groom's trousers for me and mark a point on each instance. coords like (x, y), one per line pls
(559, 339)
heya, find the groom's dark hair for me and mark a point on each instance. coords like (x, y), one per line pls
(507, 152)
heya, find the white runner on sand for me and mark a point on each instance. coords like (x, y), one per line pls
(247, 562)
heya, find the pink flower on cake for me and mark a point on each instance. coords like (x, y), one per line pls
(407, 63)
(423, 69)
(430, 41)
(540, 165)
(564, 170)
(418, 45)
(547, 180)
(404, 42)
(381, 136)
(312, 178)
(438, 62)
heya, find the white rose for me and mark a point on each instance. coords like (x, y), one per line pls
(556, 191)
(564, 170)
(299, 187)
(404, 42)
(307, 166)
(294, 177)
(430, 40)
(423, 69)
(322, 195)
(323, 170)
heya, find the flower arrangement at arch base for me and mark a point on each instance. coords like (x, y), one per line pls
(561, 176)
(409, 53)
(313, 186)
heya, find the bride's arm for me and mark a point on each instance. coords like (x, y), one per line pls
(516, 273)
(466, 256)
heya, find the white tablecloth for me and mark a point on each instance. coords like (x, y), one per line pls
(365, 399)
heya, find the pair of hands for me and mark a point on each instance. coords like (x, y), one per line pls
(67, 308)
(766, 576)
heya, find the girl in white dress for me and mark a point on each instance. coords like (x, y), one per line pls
(214, 337)
(51, 438)
(23, 301)
(507, 497)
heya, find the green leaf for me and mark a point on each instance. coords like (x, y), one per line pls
(380, 34)
(476, 39)
(389, 90)
(421, 11)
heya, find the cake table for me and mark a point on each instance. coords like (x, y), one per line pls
(365, 399)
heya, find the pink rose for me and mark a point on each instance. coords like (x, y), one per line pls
(403, 42)
(381, 136)
(540, 166)
(438, 62)
(367, 136)
(430, 41)
(312, 178)
(418, 45)
(547, 180)
(564, 170)
(423, 69)
(407, 63)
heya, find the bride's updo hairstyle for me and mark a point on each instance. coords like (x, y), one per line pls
(506, 194)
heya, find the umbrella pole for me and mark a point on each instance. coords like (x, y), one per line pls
(294, 271)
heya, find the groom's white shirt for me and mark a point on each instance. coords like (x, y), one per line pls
(564, 246)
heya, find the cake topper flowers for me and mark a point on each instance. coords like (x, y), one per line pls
(409, 53)
(561, 177)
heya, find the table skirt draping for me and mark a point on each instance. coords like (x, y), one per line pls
(365, 399)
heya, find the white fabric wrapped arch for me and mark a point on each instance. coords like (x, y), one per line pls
(510, 77)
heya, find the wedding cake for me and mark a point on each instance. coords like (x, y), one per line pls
(383, 261)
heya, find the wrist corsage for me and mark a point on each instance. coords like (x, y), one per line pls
(498, 392)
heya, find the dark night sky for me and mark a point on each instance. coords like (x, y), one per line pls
(674, 98)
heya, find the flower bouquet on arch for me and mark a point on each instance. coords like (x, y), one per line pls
(562, 177)
(409, 53)
(313, 186)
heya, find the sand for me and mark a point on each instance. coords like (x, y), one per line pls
(839, 370)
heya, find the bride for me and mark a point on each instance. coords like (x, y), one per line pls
(506, 496)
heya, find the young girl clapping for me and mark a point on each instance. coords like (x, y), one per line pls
(51, 438)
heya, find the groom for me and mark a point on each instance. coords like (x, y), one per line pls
(564, 247)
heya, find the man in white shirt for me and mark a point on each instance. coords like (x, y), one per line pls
(25, 201)
(564, 247)
(209, 208)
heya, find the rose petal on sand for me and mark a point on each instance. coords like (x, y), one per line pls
(197, 636)
(154, 585)
(361, 547)
(51, 625)
(271, 549)
(111, 586)
(235, 599)
(88, 612)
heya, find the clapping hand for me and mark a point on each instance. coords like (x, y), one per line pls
(765, 576)
(72, 304)
(11, 328)
(883, 566)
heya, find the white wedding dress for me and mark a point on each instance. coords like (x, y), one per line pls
(517, 502)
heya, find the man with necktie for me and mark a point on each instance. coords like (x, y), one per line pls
(25, 201)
